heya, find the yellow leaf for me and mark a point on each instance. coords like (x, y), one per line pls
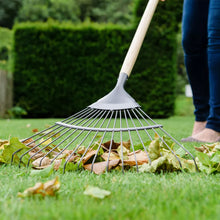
(47, 142)
(44, 189)
(3, 143)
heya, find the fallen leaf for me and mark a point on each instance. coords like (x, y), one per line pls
(114, 146)
(35, 130)
(51, 187)
(154, 149)
(45, 142)
(127, 144)
(100, 167)
(141, 158)
(48, 188)
(152, 168)
(81, 150)
(106, 145)
(9, 150)
(112, 156)
(123, 152)
(35, 156)
(3, 143)
(96, 192)
(57, 164)
(202, 149)
(88, 155)
(46, 161)
(29, 142)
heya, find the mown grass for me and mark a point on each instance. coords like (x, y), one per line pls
(133, 195)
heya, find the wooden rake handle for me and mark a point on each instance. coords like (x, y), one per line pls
(139, 36)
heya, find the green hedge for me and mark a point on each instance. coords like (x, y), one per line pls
(61, 68)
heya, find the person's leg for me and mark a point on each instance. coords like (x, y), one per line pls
(212, 131)
(194, 30)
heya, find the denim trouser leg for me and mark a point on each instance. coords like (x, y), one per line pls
(214, 64)
(194, 29)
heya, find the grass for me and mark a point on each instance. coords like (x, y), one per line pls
(133, 195)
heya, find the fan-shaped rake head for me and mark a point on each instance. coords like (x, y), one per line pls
(99, 140)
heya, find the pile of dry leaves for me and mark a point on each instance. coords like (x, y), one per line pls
(110, 155)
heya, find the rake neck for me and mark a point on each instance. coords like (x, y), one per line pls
(118, 98)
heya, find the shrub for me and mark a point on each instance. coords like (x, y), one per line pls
(59, 69)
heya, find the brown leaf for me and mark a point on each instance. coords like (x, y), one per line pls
(113, 156)
(106, 145)
(35, 130)
(88, 155)
(38, 155)
(100, 167)
(45, 162)
(30, 143)
(57, 164)
(127, 144)
(203, 149)
(81, 150)
(141, 158)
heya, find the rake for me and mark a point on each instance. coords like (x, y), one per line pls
(114, 118)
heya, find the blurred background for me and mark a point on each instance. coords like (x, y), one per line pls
(55, 54)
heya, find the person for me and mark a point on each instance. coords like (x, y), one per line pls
(201, 45)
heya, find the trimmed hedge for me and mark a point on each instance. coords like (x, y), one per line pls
(62, 68)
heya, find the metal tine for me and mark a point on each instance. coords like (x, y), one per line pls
(83, 141)
(143, 125)
(88, 145)
(76, 138)
(102, 138)
(161, 140)
(112, 138)
(182, 148)
(51, 141)
(43, 135)
(68, 143)
(129, 133)
(67, 119)
(139, 137)
(122, 159)
(171, 138)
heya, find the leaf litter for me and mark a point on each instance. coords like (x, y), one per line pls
(111, 155)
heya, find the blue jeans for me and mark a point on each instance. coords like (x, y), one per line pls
(201, 44)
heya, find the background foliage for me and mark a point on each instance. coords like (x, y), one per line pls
(68, 67)
(6, 38)
(8, 12)
(113, 11)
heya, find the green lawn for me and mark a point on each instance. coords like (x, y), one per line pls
(133, 195)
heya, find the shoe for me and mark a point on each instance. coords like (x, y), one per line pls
(191, 139)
